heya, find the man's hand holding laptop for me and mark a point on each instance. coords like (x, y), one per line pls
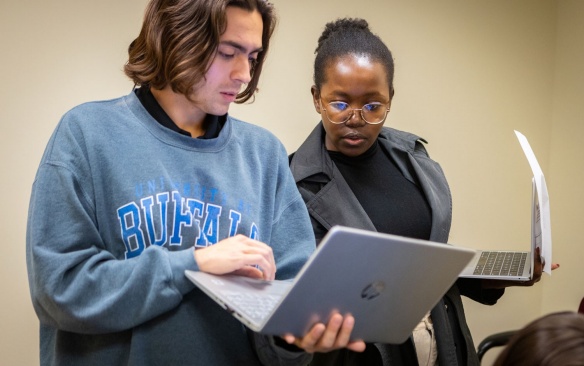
(334, 335)
(240, 255)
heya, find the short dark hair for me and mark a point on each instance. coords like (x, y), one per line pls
(350, 36)
(179, 39)
(554, 339)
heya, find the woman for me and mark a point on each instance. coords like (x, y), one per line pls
(353, 171)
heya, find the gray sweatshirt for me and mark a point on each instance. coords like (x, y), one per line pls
(117, 205)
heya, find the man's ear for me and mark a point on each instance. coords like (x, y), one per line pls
(315, 98)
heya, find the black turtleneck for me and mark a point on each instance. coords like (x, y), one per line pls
(212, 124)
(394, 204)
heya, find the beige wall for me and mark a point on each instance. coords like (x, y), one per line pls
(467, 74)
(566, 159)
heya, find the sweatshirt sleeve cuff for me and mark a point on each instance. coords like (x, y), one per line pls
(179, 262)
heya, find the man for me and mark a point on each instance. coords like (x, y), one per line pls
(132, 192)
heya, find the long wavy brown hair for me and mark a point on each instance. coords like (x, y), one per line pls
(179, 39)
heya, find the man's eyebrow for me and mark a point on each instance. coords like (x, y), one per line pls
(240, 48)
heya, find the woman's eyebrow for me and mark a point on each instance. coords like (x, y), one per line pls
(341, 94)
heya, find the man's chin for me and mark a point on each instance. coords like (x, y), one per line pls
(218, 110)
(222, 112)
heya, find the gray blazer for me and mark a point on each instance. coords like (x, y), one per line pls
(331, 202)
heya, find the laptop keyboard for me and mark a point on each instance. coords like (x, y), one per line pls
(254, 306)
(501, 263)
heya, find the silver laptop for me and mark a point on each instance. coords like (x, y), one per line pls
(388, 283)
(513, 265)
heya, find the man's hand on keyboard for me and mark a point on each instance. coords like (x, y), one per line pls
(538, 270)
(324, 338)
(238, 255)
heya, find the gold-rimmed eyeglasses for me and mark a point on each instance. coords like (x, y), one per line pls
(340, 112)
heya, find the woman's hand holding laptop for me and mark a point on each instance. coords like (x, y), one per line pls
(539, 263)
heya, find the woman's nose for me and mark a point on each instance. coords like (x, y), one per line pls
(356, 119)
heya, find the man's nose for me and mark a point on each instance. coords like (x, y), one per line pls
(242, 70)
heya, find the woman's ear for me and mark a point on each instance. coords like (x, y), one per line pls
(391, 94)
(315, 98)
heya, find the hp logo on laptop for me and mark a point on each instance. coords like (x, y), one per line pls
(372, 290)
